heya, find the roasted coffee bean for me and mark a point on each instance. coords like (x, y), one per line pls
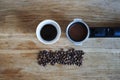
(69, 57)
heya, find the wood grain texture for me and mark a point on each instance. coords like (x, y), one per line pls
(19, 45)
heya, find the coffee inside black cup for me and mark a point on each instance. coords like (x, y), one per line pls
(78, 31)
(48, 32)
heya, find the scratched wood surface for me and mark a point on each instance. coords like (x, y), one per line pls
(19, 45)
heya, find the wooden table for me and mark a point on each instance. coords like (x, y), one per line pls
(19, 45)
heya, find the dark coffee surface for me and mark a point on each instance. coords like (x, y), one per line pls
(78, 31)
(48, 32)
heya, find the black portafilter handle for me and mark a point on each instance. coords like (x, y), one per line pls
(104, 32)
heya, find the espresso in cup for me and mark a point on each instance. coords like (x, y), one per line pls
(48, 31)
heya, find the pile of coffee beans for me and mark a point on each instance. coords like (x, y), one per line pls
(69, 57)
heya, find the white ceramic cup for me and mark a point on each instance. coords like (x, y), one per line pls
(48, 22)
(85, 25)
